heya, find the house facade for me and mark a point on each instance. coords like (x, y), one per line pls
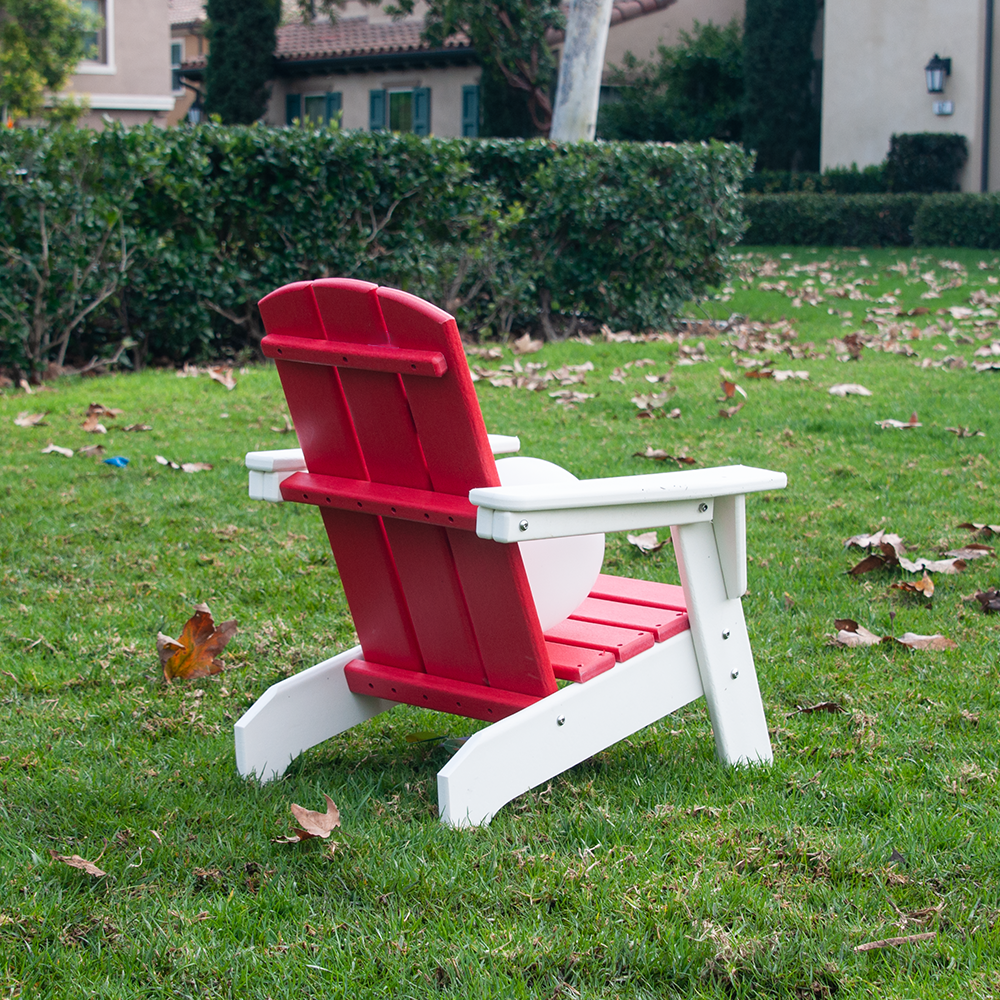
(874, 82)
(376, 72)
(126, 75)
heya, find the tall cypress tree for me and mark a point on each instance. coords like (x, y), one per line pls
(782, 115)
(242, 36)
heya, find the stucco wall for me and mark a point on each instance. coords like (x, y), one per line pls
(445, 85)
(136, 77)
(873, 77)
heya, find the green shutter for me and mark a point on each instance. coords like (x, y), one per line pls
(376, 110)
(422, 110)
(293, 108)
(333, 103)
(470, 110)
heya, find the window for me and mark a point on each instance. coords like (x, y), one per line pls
(176, 58)
(95, 43)
(406, 110)
(470, 110)
(315, 110)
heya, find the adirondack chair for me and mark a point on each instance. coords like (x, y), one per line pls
(475, 585)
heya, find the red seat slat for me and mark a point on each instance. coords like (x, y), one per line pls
(624, 643)
(578, 663)
(661, 622)
(653, 595)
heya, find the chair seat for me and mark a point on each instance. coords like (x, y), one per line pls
(603, 631)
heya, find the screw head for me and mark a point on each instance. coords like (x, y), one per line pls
(560, 720)
(523, 525)
(734, 674)
(702, 507)
(725, 635)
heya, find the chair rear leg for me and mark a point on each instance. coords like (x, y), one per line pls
(722, 645)
(299, 712)
(501, 762)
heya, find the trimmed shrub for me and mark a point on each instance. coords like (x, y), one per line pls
(836, 180)
(831, 220)
(959, 220)
(926, 161)
(183, 230)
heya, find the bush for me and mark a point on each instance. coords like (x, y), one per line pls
(926, 161)
(961, 220)
(207, 220)
(836, 180)
(831, 220)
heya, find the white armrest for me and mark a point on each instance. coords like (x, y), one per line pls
(504, 444)
(282, 460)
(520, 513)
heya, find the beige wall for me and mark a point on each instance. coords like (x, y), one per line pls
(134, 82)
(445, 85)
(873, 78)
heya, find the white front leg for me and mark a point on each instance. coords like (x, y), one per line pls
(722, 646)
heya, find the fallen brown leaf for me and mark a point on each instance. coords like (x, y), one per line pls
(317, 824)
(965, 432)
(184, 466)
(289, 427)
(823, 706)
(525, 345)
(972, 551)
(51, 449)
(850, 633)
(75, 861)
(222, 375)
(849, 389)
(26, 419)
(986, 530)
(93, 425)
(932, 642)
(195, 653)
(92, 450)
(659, 455)
(989, 600)
(100, 410)
(138, 427)
(924, 586)
(731, 411)
(647, 542)
(899, 424)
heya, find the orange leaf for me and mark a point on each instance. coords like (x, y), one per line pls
(312, 823)
(194, 654)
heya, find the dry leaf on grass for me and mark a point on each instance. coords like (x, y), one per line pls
(731, 411)
(896, 941)
(899, 425)
(783, 375)
(989, 600)
(26, 419)
(850, 633)
(891, 553)
(525, 345)
(93, 425)
(659, 455)
(54, 449)
(289, 427)
(75, 861)
(986, 530)
(965, 432)
(972, 551)
(100, 410)
(312, 824)
(647, 542)
(138, 427)
(92, 450)
(184, 466)
(849, 389)
(729, 389)
(222, 375)
(924, 586)
(194, 654)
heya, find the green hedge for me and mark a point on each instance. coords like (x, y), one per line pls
(169, 237)
(831, 220)
(925, 161)
(836, 180)
(964, 220)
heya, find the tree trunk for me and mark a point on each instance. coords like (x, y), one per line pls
(575, 116)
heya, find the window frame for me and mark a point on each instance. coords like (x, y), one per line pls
(175, 67)
(105, 66)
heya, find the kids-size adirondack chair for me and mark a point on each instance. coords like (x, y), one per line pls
(475, 585)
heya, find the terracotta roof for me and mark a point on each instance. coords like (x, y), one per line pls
(186, 11)
(623, 10)
(354, 36)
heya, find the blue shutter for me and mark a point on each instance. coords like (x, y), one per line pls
(422, 110)
(376, 110)
(470, 110)
(293, 108)
(333, 103)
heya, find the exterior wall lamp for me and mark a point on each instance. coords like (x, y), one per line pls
(936, 70)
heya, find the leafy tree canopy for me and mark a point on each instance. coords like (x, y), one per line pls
(508, 36)
(693, 92)
(243, 36)
(41, 42)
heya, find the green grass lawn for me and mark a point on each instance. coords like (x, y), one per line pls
(648, 871)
